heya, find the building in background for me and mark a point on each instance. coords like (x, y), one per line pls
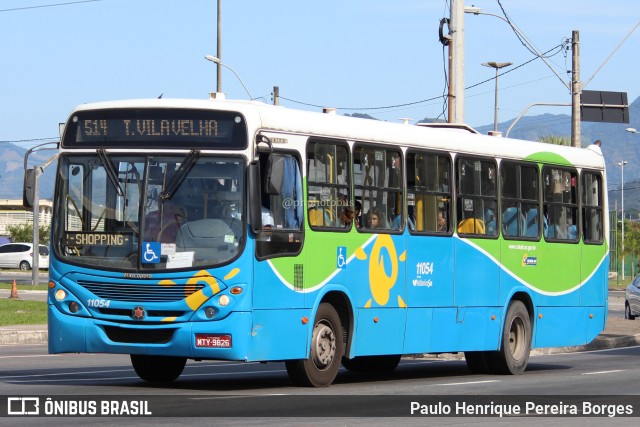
(13, 213)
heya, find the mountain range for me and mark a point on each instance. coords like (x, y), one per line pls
(617, 145)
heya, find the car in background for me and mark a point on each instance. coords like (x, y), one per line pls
(632, 299)
(20, 255)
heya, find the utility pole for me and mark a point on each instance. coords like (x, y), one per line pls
(576, 90)
(219, 51)
(456, 62)
(276, 95)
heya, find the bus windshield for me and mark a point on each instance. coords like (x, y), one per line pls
(149, 213)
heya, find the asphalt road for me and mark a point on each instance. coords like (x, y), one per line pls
(223, 392)
(23, 277)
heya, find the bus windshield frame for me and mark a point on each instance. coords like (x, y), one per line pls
(136, 224)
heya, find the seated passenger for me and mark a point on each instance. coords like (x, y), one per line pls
(162, 225)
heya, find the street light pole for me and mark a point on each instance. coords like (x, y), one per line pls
(216, 60)
(497, 66)
(622, 164)
(575, 87)
(219, 50)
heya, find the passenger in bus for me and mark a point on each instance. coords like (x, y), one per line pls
(162, 225)
(442, 222)
(267, 217)
(346, 216)
(375, 218)
(357, 218)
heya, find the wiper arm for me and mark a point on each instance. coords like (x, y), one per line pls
(180, 175)
(111, 172)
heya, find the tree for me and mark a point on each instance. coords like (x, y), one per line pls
(24, 233)
(631, 243)
(556, 140)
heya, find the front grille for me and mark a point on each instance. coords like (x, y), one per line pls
(141, 291)
(139, 336)
(150, 313)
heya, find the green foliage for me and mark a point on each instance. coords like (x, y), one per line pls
(556, 140)
(24, 233)
(22, 312)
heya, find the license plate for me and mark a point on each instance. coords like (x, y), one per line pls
(213, 340)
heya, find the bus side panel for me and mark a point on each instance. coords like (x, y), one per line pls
(561, 326)
(418, 333)
(429, 271)
(280, 335)
(595, 290)
(597, 321)
(477, 274)
(466, 329)
(378, 331)
(275, 287)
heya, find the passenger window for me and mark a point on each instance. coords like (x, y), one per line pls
(592, 208)
(282, 210)
(328, 194)
(519, 184)
(428, 192)
(560, 204)
(377, 177)
(477, 202)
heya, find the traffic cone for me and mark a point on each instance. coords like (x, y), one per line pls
(14, 290)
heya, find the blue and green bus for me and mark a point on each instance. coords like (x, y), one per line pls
(233, 230)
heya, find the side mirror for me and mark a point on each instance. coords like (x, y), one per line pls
(28, 189)
(255, 197)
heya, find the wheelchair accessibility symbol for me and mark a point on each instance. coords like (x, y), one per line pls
(151, 252)
(341, 261)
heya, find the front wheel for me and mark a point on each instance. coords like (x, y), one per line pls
(513, 356)
(321, 368)
(627, 312)
(158, 369)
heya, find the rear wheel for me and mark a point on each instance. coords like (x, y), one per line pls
(24, 265)
(627, 312)
(158, 369)
(321, 368)
(371, 363)
(513, 356)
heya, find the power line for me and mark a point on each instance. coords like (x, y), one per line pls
(48, 5)
(422, 101)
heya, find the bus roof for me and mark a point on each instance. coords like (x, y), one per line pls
(265, 117)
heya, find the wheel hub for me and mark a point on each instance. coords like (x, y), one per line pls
(324, 345)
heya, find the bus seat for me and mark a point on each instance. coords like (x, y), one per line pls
(471, 226)
(531, 229)
(510, 221)
(320, 217)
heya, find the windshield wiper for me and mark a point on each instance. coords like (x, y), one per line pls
(180, 175)
(111, 172)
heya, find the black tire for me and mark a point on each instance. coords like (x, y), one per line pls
(24, 265)
(321, 368)
(627, 312)
(513, 356)
(372, 363)
(477, 361)
(158, 369)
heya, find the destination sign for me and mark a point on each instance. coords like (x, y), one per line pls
(168, 128)
(97, 239)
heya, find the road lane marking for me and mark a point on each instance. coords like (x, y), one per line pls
(603, 372)
(472, 382)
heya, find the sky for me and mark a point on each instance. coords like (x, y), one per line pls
(373, 57)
